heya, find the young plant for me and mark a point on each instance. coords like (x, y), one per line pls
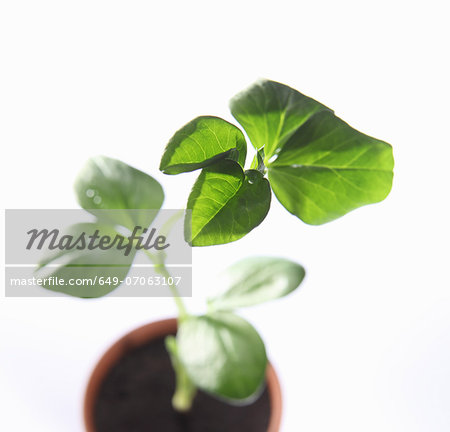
(319, 168)
(218, 352)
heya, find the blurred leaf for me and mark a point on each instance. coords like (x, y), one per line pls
(223, 355)
(255, 280)
(96, 267)
(226, 204)
(109, 184)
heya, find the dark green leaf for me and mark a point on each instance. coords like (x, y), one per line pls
(223, 355)
(270, 112)
(226, 204)
(327, 169)
(106, 184)
(256, 280)
(96, 267)
(202, 142)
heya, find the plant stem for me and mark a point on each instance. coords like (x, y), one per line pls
(182, 312)
(160, 266)
(185, 390)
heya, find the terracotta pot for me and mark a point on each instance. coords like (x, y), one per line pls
(143, 335)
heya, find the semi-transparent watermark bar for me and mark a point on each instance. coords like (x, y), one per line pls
(124, 253)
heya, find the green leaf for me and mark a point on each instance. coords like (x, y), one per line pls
(96, 267)
(202, 142)
(270, 112)
(226, 204)
(223, 355)
(327, 169)
(107, 184)
(256, 280)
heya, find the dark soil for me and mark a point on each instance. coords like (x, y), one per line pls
(136, 397)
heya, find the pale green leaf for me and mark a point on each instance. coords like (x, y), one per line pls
(223, 355)
(86, 273)
(255, 280)
(109, 184)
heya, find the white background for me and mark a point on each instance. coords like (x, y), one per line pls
(364, 345)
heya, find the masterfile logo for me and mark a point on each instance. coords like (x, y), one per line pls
(71, 252)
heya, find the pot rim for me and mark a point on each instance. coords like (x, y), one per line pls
(143, 334)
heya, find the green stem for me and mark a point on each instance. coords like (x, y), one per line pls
(185, 390)
(182, 312)
(161, 268)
